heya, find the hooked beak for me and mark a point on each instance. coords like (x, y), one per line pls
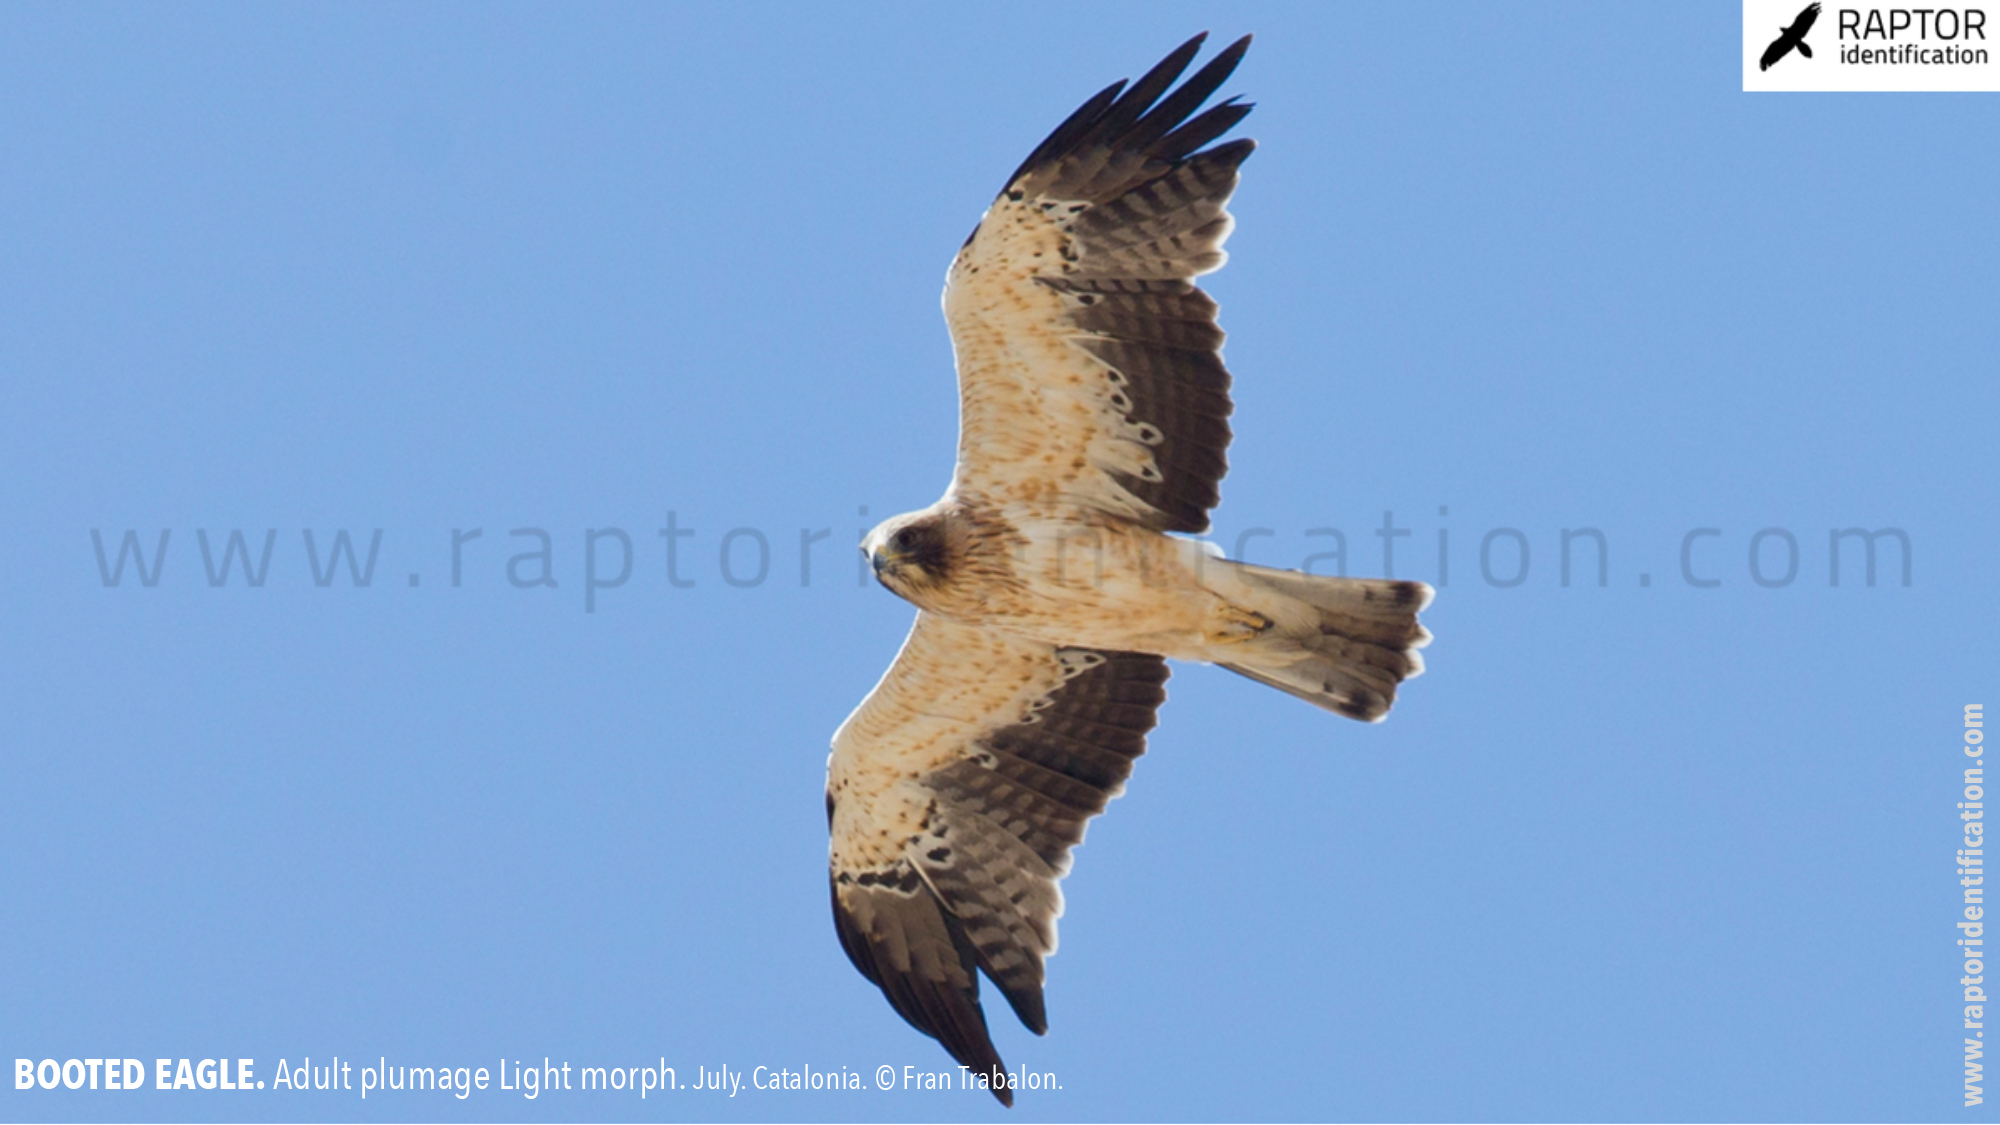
(879, 555)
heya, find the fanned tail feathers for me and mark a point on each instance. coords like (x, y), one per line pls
(1342, 644)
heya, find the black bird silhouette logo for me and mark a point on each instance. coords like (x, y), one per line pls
(1790, 37)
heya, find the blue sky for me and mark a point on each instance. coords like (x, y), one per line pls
(1640, 850)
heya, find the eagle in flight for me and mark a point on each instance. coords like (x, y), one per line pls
(1050, 586)
(1790, 38)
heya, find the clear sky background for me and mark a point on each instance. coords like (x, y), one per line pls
(1638, 850)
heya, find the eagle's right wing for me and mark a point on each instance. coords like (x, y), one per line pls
(954, 795)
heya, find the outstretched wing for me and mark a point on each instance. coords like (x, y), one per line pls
(1805, 21)
(1088, 363)
(954, 795)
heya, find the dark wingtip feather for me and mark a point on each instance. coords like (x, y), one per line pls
(1027, 1002)
(1136, 117)
(1193, 134)
(1192, 93)
(1064, 136)
(953, 1016)
(1133, 105)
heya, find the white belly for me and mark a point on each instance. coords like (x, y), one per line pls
(1116, 588)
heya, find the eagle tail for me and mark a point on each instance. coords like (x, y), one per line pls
(1803, 49)
(1342, 644)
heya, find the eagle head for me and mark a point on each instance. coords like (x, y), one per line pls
(910, 554)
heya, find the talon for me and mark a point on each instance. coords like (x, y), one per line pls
(1239, 625)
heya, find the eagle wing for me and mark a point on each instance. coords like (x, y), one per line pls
(954, 795)
(1088, 363)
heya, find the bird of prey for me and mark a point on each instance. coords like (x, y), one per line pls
(1049, 584)
(1790, 37)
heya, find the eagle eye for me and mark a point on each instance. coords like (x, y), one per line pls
(904, 539)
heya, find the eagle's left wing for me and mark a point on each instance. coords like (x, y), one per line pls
(954, 794)
(1089, 370)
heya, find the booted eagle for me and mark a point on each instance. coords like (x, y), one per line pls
(1093, 418)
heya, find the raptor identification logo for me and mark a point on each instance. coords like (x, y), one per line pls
(1829, 45)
